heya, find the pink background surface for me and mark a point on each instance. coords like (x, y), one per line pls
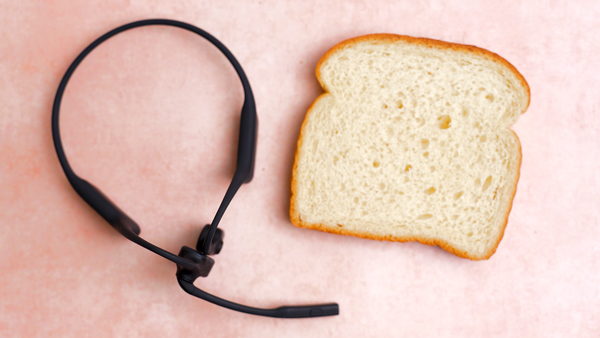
(151, 116)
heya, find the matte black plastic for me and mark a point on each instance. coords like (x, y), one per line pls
(217, 242)
(105, 207)
(203, 264)
(280, 312)
(246, 143)
(191, 264)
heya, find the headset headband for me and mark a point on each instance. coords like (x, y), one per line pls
(191, 263)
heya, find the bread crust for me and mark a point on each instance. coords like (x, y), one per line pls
(390, 38)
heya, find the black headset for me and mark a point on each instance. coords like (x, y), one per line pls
(191, 263)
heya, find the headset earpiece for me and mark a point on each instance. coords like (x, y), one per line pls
(215, 245)
(203, 264)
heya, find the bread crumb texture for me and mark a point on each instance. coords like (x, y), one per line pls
(411, 142)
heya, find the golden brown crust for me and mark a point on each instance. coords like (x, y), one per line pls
(386, 38)
(294, 214)
(390, 38)
(512, 198)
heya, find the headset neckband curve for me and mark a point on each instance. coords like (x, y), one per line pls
(190, 263)
(246, 144)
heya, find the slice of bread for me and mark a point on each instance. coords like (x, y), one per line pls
(411, 142)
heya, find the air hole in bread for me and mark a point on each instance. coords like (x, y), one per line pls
(425, 216)
(420, 122)
(444, 121)
(385, 106)
(465, 113)
(340, 225)
(424, 143)
(483, 138)
(470, 234)
(432, 168)
(381, 186)
(477, 182)
(458, 194)
(376, 164)
(400, 105)
(487, 183)
(490, 97)
(430, 191)
(408, 168)
(426, 154)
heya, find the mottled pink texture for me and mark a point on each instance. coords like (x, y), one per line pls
(151, 118)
